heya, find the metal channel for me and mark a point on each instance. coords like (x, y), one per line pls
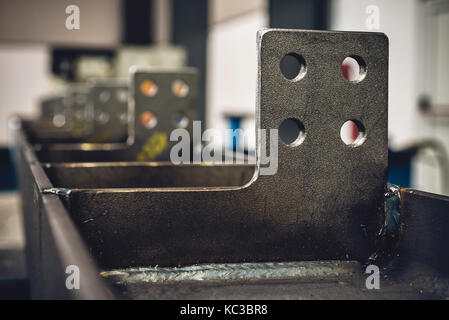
(325, 201)
(53, 243)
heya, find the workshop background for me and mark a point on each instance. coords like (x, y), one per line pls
(39, 56)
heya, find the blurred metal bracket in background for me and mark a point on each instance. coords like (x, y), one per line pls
(50, 107)
(160, 100)
(108, 100)
(76, 101)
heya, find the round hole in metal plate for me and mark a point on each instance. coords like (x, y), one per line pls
(121, 95)
(352, 133)
(148, 87)
(292, 132)
(293, 66)
(104, 96)
(180, 120)
(353, 68)
(180, 88)
(103, 117)
(59, 120)
(148, 119)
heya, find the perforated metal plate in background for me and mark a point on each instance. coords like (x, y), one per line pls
(153, 143)
(80, 115)
(49, 107)
(109, 103)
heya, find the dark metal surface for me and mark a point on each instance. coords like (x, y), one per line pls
(81, 116)
(65, 118)
(154, 143)
(146, 175)
(51, 106)
(325, 201)
(108, 99)
(335, 280)
(387, 239)
(140, 222)
(109, 142)
(425, 229)
(52, 242)
(43, 132)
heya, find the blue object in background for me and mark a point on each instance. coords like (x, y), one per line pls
(8, 181)
(399, 167)
(234, 124)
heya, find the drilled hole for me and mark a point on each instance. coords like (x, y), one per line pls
(103, 118)
(104, 96)
(180, 88)
(121, 95)
(180, 120)
(123, 117)
(292, 132)
(148, 87)
(352, 133)
(293, 66)
(79, 114)
(59, 120)
(148, 119)
(353, 68)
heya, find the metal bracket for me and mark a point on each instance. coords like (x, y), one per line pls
(108, 99)
(162, 99)
(79, 113)
(159, 100)
(326, 200)
(51, 106)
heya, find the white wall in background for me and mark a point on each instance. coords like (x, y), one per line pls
(232, 63)
(442, 57)
(222, 10)
(44, 21)
(24, 77)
